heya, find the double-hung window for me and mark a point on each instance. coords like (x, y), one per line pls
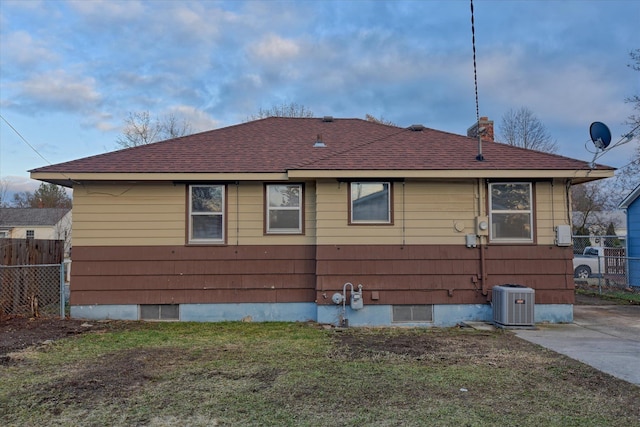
(284, 207)
(206, 213)
(511, 212)
(370, 203)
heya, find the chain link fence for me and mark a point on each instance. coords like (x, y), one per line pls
(610, 266)
(582, 242)
(32, 290)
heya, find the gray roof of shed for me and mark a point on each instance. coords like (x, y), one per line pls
(20, 217)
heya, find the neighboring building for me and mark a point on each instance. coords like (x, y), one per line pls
(37, 223)
(598, 226)
(600, 221)
(632, 206)
(268, 220)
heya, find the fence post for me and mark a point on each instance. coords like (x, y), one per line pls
(62, 307)
(600, 260)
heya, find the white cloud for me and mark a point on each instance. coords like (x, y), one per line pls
(20, 49)
(572, 92)
(275, 48)
(197, 119)
(107, 9)
(60, 91)
(17, 184)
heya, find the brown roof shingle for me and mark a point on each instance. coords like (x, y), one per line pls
(278, 144)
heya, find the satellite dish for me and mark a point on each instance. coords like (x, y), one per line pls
(600, 135)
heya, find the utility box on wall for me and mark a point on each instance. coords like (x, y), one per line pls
(513, 306)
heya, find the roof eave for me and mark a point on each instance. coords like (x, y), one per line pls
(630, 198)
(575, 176)
(68, 179)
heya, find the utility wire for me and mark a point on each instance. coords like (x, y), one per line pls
(24, 139)
(33, 148)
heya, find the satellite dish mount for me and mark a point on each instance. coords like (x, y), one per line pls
(601, 137)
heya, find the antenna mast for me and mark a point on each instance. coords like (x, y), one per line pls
(479, 157)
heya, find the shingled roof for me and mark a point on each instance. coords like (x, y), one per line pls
(279, 144)
(31, 217)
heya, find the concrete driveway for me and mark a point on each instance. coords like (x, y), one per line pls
(606, 337)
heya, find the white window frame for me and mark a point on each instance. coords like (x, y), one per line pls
(529, 211)
(30, 234)
(269, 209)
(389, 219)
(222, 214)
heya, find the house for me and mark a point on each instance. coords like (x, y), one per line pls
(598, 225)
(631, 204)
(282, 218)
(37, 223)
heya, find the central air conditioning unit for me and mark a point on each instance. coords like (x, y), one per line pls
(513, 306)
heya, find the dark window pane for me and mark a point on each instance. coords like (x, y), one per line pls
(511, 226)
(510, 197)
(206, 227)
(370, 202)
(206, 198)
(284, 219)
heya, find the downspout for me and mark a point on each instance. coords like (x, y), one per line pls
(483, 264)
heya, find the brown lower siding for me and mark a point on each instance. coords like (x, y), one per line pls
(433, 274)
(420, 274)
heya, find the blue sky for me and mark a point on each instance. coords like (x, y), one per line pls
(71, 71)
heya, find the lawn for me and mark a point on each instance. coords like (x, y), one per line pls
(303, 374)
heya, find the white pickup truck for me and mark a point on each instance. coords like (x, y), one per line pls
(590, 263)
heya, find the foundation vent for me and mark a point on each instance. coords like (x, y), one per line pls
(159, 312)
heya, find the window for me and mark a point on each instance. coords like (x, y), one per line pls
(413, 313)
(31, 234)
(511, 213)
(206, 214)
(284, 207)
(370, 203)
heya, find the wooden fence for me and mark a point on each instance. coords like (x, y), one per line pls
(31, 251)
(30, 277)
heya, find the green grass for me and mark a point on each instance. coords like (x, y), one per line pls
(618, 296)
(295, 374)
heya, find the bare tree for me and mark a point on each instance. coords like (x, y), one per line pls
(588, 201)
(4, 189)
(292, 109)
(140, 129)
(381, 120)
(630, 173)
(521, 128)
(634, 99)
(628, 176)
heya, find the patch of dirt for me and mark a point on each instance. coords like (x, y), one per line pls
(19, 333)
(430, 346)
(112, 377)
(490, 350)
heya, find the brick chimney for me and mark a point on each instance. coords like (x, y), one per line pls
(486, 130)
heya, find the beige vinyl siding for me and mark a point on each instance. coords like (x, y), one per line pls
(250, 215)
(154, 214)
(424, 212)
(128, 214)
(551, 210)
